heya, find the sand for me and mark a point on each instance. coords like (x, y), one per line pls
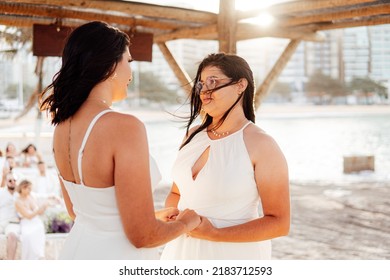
(329, 222)
(337, 223)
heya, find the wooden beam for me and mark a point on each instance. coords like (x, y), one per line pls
(378, 20)
(179, 71)
(60, 12)
(300, 6)
(227, 25)
(244, 31)
(275, 71)
(28, 21)
(247, 31)
(333, 16)
(188, 33)
(133, 8)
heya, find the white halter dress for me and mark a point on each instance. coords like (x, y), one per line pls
(98, 232)
(224, 191)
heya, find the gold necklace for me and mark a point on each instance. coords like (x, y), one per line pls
(219, 135)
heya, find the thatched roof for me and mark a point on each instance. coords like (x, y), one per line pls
(293, 19)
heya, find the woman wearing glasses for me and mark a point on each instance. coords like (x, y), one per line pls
(228, 170)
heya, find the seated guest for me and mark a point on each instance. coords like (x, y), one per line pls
(8, 167)
(30, 156)
(11, 151)
(32, 229)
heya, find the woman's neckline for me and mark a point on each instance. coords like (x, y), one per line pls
(230, 134)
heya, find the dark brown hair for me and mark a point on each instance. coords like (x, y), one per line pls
(90, 56)
(234, 67)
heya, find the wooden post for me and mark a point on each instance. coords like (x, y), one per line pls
(180, 72)
(227, 26)
(275, 71)
(358, 163)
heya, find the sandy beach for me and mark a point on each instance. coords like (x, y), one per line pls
(329, 222)
(337, 223)
(343, 221)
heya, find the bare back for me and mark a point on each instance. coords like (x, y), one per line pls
(97, 160)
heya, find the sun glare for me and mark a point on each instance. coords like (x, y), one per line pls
(264, 19)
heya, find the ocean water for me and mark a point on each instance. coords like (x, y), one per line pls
(314, 146)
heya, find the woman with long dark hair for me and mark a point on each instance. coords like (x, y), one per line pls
(228, 170)
(101, 155)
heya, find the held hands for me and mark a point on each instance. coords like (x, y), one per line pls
(167, 214)
(190, 218)
(204, 231)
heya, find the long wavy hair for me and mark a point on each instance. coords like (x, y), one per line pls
(90, 55)
(234, 67)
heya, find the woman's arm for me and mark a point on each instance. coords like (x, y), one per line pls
(133, 187)
(173, 197)
(28, 213)
(271, 175)
(5, 171)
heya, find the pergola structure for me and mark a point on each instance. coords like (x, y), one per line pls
(295, 20)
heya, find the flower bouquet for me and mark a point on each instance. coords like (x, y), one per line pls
(59, 222)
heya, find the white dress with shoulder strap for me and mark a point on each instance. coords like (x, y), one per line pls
(98, 232)
(224, 191)
(32, 237)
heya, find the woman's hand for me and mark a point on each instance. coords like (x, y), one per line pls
(204, 231)
(190, 218)
(167, 214)
(53, 200)
(42, 208)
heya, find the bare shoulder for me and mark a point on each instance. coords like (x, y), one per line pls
(259, 143)
(125, 133)
(123, 124)
(117, 119)
(254, 133)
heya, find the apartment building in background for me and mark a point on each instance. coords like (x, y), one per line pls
(345, 53)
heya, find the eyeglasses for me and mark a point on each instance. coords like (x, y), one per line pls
(211, 84)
